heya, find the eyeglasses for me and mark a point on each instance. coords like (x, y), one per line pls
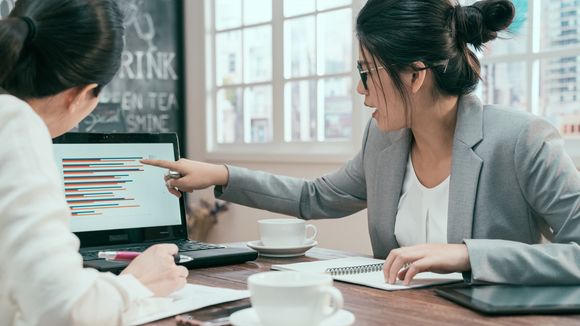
(364, 73)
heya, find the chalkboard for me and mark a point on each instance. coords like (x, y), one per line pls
(147, 95)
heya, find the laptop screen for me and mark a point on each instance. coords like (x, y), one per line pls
(111, 195)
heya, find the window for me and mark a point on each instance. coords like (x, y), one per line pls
(537, 67)
(283, 76)
(318, 65)
(243, 67)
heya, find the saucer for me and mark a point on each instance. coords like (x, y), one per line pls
(248, 317)
(293, 251)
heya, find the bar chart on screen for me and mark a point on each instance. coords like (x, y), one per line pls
(106, 186)
(93, 185)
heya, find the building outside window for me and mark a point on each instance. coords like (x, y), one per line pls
(537, 67)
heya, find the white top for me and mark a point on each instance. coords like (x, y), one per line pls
(42, 280)
(422, 214)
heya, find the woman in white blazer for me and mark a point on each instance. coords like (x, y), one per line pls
(55, 58)
(450, 185)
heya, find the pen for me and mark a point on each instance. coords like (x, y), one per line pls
(218, 316)
(130, 255)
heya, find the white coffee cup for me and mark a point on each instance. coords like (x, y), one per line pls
(285, 232)
(292, 298)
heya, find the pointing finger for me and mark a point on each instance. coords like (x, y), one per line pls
(161, 163)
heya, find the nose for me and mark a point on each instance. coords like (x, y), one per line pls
(360, 88)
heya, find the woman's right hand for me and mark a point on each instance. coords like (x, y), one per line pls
(194, 175)
(155, 268)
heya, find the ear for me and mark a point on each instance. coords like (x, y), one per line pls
(79, 96)
(417, 76)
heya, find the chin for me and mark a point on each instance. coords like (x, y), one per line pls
(56, 134)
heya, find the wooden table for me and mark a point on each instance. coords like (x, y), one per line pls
(371, 306)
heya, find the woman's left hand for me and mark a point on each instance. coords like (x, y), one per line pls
(404, 263)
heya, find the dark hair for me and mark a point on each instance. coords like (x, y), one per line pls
(400, 32)
(48, 46)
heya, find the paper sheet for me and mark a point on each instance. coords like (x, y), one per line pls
(189, 298)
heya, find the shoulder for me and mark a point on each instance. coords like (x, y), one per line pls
(505, 123)
(519, 137)
(17, 115)
(505, 116)
(12, 105)
(25, 136)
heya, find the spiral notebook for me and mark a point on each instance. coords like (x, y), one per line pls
(368, 272)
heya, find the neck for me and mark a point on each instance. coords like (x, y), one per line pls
(433, 128)
(43, 107)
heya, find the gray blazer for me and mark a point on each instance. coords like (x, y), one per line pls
(510, 182)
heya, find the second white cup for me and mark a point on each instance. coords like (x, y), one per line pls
(285, 232)
(290, 298)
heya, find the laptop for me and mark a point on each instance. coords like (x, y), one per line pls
(119, 204)
(515, 299)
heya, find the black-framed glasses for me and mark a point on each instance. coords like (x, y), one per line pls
(364, 73)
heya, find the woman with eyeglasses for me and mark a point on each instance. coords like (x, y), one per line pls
(450, 185)
(56, 55)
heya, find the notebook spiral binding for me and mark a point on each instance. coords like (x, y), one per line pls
(349, 270)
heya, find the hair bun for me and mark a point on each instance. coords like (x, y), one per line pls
(479, 23)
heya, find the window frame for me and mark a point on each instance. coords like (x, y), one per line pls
(278, 150)
(200, 124)
(531, 58)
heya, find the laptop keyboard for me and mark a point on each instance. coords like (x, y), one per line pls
(183, 245)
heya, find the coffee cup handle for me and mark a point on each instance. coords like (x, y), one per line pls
(336, 300)
(314, 229)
